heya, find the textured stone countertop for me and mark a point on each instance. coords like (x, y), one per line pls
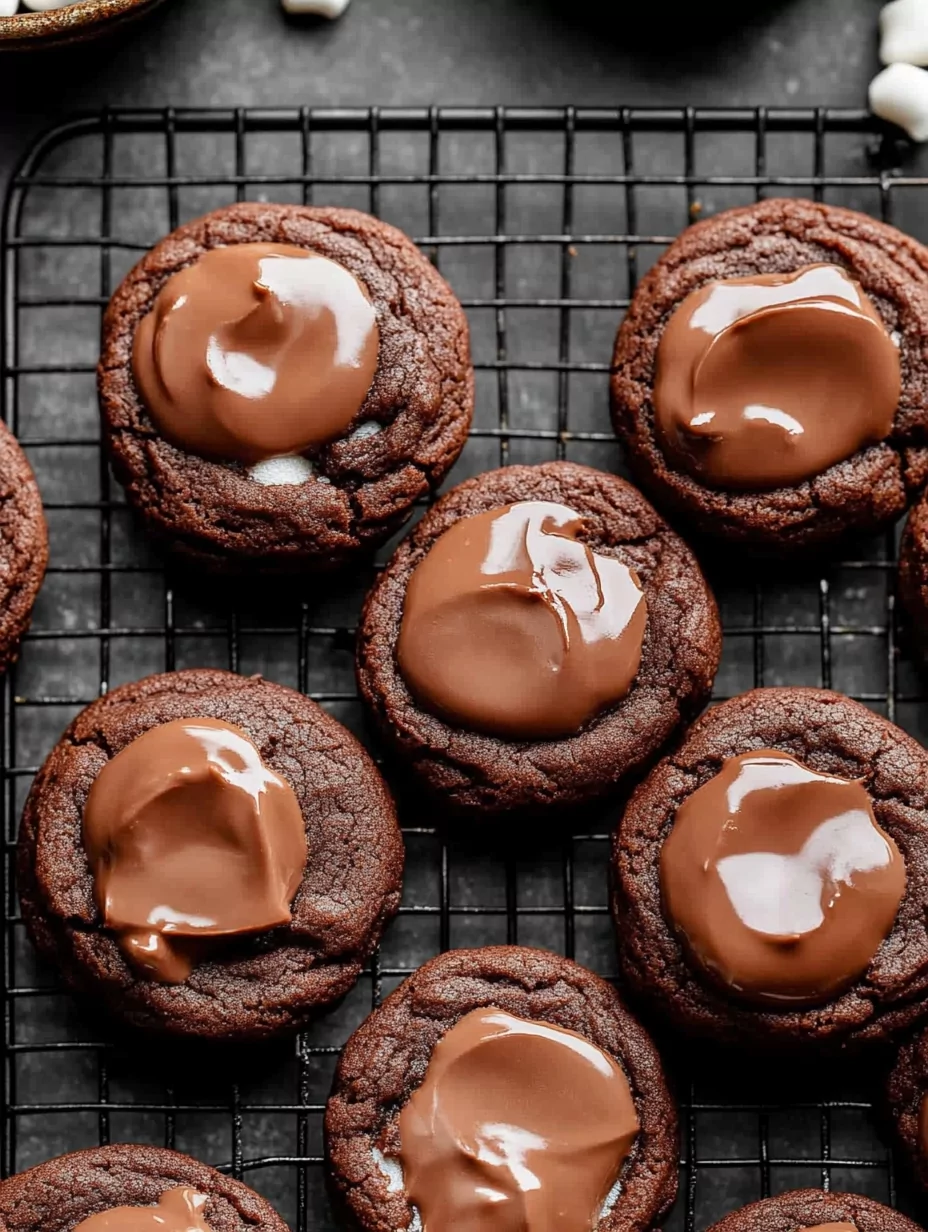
(245, 52)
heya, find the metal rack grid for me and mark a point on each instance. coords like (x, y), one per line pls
(542, 220)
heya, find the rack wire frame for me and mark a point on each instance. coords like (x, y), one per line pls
(617, 183)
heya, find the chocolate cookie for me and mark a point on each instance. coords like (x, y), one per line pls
(23, 545)
(396, 1049)
(94, 869)
(766, 482)
(913, 573)
(582, 529)
(802, 1209)
(282, 368)
(770, 876)
(908, 1106)
(63, 1193)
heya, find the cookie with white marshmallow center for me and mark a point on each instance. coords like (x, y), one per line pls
(493, 1084)
(279, 384)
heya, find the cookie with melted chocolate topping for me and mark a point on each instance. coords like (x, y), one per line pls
(253, 986)
(58, 1195)
(830, 735)
(907, 1097)
(386, 1060)
(802, 1210)
(23, 545)
(476, 770)
(913, 574)
(405, 436)
(865, 491)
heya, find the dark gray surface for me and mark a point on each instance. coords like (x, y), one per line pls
(456, 51)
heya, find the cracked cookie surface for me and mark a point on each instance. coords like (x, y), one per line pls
(809, 1208)
(833, 735)
(679, 657)
(913, 573)
(386, 1059)
(57, 1195)
(862, 493)
(211, 514)
(23, 545)
(260, 987)
(906, 1093)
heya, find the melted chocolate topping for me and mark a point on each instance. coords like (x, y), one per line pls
(191, 838)
(513, 626)
(257, 350)
(766, 381)
(780, 880)
(178, 1210)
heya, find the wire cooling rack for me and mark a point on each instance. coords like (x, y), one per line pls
(542, 220)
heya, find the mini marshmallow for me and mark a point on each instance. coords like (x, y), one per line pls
(321, 8)
(900, 94)
(392, 1169)
(904, 30)
(370, 427)
(610, 1200)
(8, 7)
(281, 472)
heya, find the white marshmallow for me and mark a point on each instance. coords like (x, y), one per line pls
(610, 1200)
(281, 472)
(904, 30)
(900, 94)
(45, 6)
(321, 8)
(8, 7)
(370, 427)
(392, 1169)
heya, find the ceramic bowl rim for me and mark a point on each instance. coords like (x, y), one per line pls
(75, 22)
